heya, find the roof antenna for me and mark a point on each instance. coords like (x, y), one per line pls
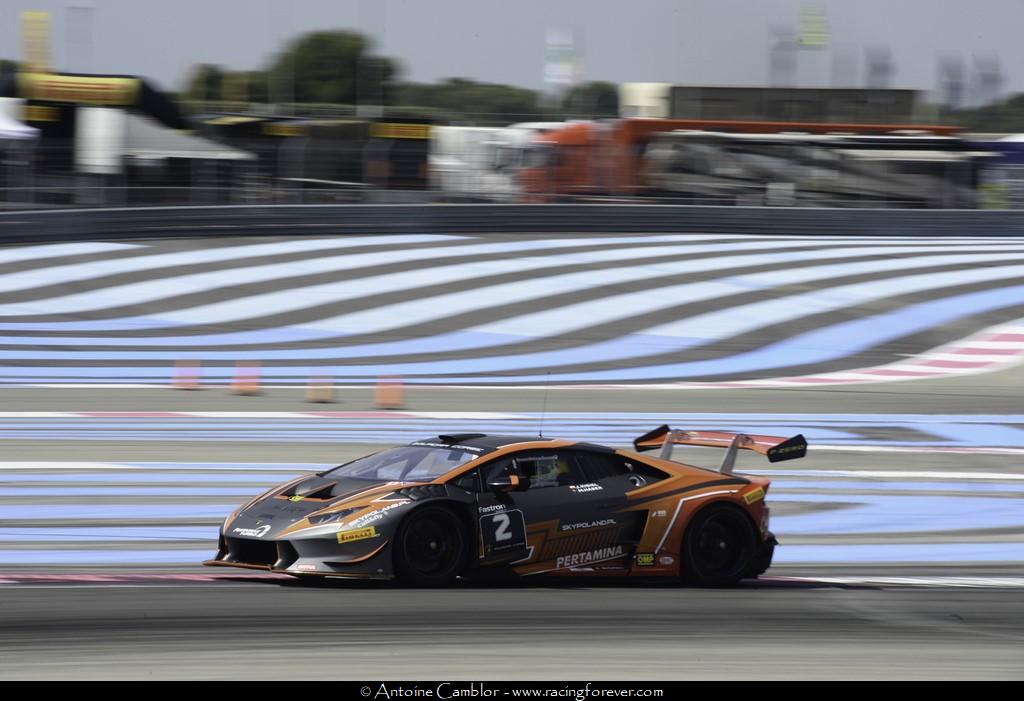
(544, 409)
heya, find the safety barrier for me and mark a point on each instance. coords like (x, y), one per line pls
(314, 220)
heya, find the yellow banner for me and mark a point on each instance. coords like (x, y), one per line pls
(83, 90)
(35, 40)
(392, 130)
(41, 113)
(284, 130)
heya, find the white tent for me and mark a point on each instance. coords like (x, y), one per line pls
(10, 128)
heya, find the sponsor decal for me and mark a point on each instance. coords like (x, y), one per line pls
(468, 448)
(357, 534)
(756, 495)
(660, 513)
(586, 558)
(589, 524)
(666, 560)
(375, 515)
(296, 498)
(584, 488)
(253, 532)
(492, 509)
(645, 559)
(306, 568)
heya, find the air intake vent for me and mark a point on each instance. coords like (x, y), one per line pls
(286, 555)
(251, 552)
(424, 491)
(313, 488)
(460, 437)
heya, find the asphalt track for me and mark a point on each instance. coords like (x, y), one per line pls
(868, 620)
(272, 630)
(162, 627)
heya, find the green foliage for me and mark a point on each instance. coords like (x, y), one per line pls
(336, 68)
(1006, 117)
(594, 99)
(204, 82)
(333, 67)
(477, 102)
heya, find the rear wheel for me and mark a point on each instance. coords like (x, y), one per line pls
(718, 547)
(431, 548)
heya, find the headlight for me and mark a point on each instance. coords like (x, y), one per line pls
(318, 519)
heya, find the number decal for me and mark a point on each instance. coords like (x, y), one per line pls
(502, 532)
(502, 521)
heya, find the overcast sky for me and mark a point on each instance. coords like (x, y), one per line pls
(677, 41)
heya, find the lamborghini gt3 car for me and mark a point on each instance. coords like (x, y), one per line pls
(465, 504)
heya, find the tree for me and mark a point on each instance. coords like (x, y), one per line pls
(205, 82)
(479, 102)
(1005, 117)
(594, 99)
(330, 67)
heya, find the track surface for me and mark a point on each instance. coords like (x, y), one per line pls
(932, 626)
(513, 310)
(270, 630)
(237, 628)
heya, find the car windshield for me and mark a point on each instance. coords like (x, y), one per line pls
(411, 463)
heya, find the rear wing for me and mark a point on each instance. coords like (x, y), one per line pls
(774, 447)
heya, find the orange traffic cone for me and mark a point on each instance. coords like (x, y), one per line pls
(389, 392)
(320, 390)
(186, 374)
(247, 378)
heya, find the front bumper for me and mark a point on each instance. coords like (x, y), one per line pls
(317, 557)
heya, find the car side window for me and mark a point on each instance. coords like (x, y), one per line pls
(469, 481)
(543, 468)
(599, 466)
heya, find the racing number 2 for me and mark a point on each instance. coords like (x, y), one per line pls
(503, 521)
(503, 531)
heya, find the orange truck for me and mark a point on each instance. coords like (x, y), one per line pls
(605, 158)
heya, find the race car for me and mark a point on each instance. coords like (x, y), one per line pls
(469, 504)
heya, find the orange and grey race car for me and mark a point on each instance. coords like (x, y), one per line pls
(465, 504)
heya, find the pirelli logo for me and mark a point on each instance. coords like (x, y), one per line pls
(357, 534)
(87, 90)
(756, 495)
(392, 130)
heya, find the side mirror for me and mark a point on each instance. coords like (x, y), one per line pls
(509, 483)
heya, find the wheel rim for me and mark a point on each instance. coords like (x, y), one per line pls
(722, 545)
(433, 545)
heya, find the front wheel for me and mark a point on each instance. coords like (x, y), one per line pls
(431, 548)
(718, 547)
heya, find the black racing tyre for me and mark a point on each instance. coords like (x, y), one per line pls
(431, 548)
(719, 547)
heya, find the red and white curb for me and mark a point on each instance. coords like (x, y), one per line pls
(993, 349)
